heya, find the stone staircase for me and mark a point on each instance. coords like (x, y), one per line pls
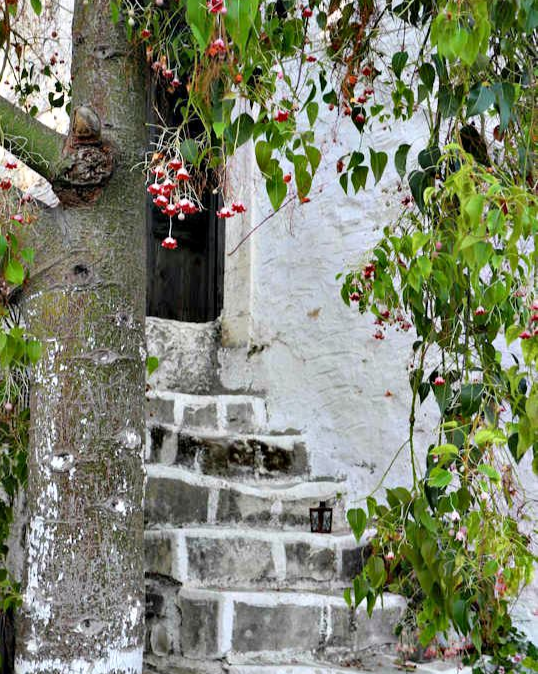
(235, 580)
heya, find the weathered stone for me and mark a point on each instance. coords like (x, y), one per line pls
(304, 561)
(227, 560)
(154, 603)
(200, 417)
(160, 642)
(235, 506)
(174, 502)
(358, 632)
(275, 628)
(297, 513)
(353, 561)
(294, 462)
(187, 354)
(158, 555)
(163, 445)
(160, 410)
(240, 417)
(199, 627)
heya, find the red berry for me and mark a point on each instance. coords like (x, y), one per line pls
(366, 71)
(145, 33)
(169, 242)
(438, 381)
(525, 334)
(361, 99)
(307, 13)
(360, 118)
(287, 178)
(175, 164)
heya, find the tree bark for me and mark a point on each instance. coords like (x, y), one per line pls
(83, 604)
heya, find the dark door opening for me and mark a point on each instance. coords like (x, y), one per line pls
(185, 284)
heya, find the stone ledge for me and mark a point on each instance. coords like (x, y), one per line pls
(235, 557)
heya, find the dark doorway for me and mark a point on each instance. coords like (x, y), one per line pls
(185, 284)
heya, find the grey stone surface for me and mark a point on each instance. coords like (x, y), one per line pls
(187, 354)
(160, 641)
(359, 632)
(199, 627)
(353, 561)
(275, 628)
(158, 555)
(297, 513)
(174, 502)
(229, 560)
(240, 417)
(200, 417)
(235, 506)
(159, 410)
(304, 561)
(163, 445)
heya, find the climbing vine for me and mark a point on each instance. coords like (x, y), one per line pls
(458, 267)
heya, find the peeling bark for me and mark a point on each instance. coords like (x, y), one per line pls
(83, 594)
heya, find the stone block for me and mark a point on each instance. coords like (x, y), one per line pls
(199, 627)
(187, 354)
(235, 506)
(175, 502)
(200, 417)
(276, 628)
(240, 417)
(160, 410)
(159, 640)
(353, 561)
(296, 513)
(163, 445)
(359, 632)
(158, 555)
(304, 561)
(277, 459)
(229, 560)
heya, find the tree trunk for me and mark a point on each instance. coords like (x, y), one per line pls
(83, 605)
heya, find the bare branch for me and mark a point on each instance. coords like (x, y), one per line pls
(35, 144)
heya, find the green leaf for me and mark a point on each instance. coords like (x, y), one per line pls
(263, 153)
(239, 21)
(489, 471)
(439, 477)
(361, 588)
(445, 450)
(33, 349)
(152, 363)
(375, 570)
(37, 6)
(314, 156)
(276, 190)
(200, 21)
(480, 99)
(378, 162)
(357, 521)
(459, 611)
(312, 110)
(189, 150)
(3, 245)
(114, 11)
(359, 175)
(400, 159)
(240, 131)
(399, 59)
(14, 272)
(427, 75)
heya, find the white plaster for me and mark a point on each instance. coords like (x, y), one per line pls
(120, 661)
(278, 550)
(212, 505)
(226, 621)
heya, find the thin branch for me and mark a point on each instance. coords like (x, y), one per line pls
(35, 144)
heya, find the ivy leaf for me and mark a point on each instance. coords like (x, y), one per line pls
(3, 245)
(263, 154)
(240, 131)
(189, 150)
(152, 363)
(505, 96)
(359, 175)
(33, 349)
(357, 521)
(200, 21)
(312, 110)
(37, 6)
(489, 471)
(480, 99)
(14, 272)
(399, 59)
(375, 570)
(314, 156)
(459, 611)
(426, 73)
(239, 20)
(400, 159)
(440, 477)
(378, 162)
(276, 190)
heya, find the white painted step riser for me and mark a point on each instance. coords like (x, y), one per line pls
(220, 413)
(256, 558)
(176, 497)
(274, 626)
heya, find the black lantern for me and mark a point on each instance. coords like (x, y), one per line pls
(321, 519)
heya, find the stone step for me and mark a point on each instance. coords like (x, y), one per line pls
(224, 413)
(227, 455)
(178, 497)
(379, 663)
(232, 557)
(277, 627)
